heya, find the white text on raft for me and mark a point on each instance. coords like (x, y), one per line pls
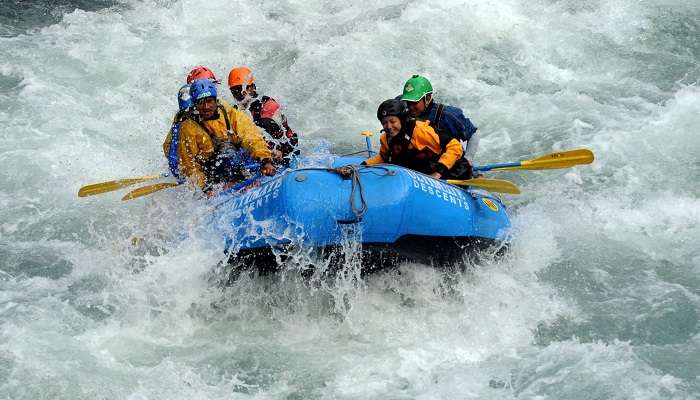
(439, 189)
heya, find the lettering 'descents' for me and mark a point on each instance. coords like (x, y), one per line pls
(441, 190)
(260, 195)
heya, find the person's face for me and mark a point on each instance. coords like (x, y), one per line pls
(206, 107)
(416, 108)
(392, 125)
(239, 93)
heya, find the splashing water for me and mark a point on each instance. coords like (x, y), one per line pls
(598, 298)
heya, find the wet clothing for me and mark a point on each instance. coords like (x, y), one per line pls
(172, 155)
(451, 121)
(210, 151)
(419, 147)
(267, 114)
(180, 116)
(170, 145)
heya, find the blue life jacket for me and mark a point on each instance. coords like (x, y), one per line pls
(173, 156)
(449, 120)
(237, 159)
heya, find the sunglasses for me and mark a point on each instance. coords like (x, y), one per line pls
(240, 88)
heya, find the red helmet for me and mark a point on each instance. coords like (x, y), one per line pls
(201, 73)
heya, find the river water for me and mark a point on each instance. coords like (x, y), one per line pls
(599, 297)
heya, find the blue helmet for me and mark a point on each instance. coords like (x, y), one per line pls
(184, 100)
(201, 89)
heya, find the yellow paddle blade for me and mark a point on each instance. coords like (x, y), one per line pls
(493, 185)
(564, 159)
(110, 186)
(143, 191)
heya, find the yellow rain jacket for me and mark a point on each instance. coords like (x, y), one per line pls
(196, 146)
(168, 136)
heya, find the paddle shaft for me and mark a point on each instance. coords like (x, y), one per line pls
(369, 147)
(150, 189)
(563, 159)
(494, 166)
(367, 135)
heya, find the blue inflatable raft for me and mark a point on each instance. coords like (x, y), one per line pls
(396, 214)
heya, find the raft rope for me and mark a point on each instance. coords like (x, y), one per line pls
(351, 172)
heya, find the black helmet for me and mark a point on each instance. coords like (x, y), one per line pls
(394, 107)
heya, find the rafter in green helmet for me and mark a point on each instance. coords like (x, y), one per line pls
(416, 88)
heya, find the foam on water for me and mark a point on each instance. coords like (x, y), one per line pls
(598, 297)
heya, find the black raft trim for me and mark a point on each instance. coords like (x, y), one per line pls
(437, 251)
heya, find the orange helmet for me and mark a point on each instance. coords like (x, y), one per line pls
(240, 76)
(201, 73)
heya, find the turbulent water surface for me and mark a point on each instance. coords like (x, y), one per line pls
(599, 297)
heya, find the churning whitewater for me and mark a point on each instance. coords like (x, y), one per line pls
(598, 297)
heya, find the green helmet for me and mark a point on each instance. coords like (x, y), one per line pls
(416, 88)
